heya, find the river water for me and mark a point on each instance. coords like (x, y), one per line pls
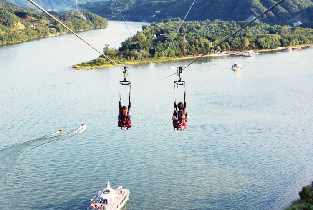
(248, 144)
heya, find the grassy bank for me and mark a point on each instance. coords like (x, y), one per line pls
(95, 64)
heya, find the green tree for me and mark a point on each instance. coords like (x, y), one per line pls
(140, 37)
(245, 42)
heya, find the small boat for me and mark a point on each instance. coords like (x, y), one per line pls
(248, 53)
(288, 49)
(236, 66)
(296, 48)
(110, 199)
(234, 54)
(81, 129)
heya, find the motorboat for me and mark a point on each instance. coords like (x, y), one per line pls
(110, 199)
(296, 48)
(234, 54)
(248, 53)
(236, 66)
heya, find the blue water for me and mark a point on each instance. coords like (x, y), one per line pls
(248, 144)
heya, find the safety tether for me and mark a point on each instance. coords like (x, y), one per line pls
(39, 7)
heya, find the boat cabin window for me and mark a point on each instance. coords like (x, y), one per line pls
(104, 201)
(107, 191)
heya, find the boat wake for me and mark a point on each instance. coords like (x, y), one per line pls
(9, 156)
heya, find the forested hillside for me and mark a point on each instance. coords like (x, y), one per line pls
(146, 10)
(197, 37)
(111, 9)
(22, 23)
(288, 12)
(307, 16)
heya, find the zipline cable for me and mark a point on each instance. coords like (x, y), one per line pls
(272, 7)
(112, 61)
(172, 38)
(177, 32)
(126, 24)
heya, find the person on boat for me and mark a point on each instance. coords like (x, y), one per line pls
(180, 117)
(124, 118)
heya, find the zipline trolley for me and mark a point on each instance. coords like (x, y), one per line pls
(180, 114)
(124, 119)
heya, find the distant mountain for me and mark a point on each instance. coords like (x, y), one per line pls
(306, 16)
(111, 9)
(53, 5)
(149, 10)
(288, 12)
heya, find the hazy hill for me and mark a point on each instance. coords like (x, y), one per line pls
(144, 10)
(155, 10)
(111, 9)
(54, 5)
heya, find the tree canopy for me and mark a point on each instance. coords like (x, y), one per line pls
(21, 23)
(306, 199)
(198, 37)
(287, 12)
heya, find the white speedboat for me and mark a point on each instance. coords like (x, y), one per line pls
(236, 66)
(248, 53)
(110, 199)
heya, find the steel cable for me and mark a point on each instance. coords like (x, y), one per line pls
(112, 61)
(177, 32)
(272, 7)
(126, 24)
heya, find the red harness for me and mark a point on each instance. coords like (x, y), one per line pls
(125, 122)
(181, 123)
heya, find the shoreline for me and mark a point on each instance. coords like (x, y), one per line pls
(49, 35)
(40, 37)
(189, 57)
